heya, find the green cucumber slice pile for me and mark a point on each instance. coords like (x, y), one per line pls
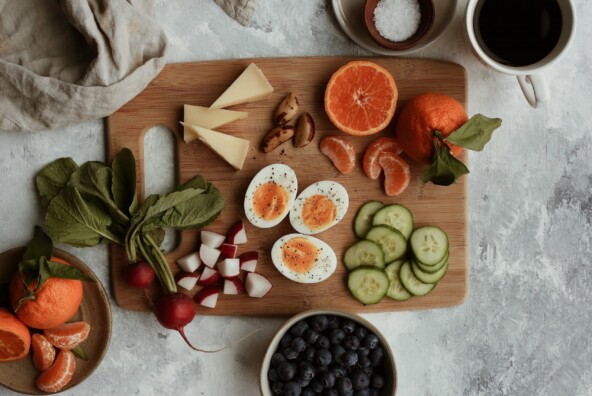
(393, 259)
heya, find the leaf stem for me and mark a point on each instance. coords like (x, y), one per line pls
(166, 270)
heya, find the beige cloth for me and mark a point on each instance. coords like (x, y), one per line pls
(241, 10)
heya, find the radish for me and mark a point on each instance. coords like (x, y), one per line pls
(237, 234)
(233, 286)
(212, 239)
(208, 255)
(139, 275)
(190, 263)
(208, 297)
(229, 267)
(257, 285)
(248, 261)
(228, 250)
(187, 280)
(209, 277)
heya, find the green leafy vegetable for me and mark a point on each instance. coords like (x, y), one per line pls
(475, 133)
(40, 246)
(124, 181)
(79, 352)
(53, 178)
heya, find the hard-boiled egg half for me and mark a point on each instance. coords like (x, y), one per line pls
(270, 195)
(319, 207)
(303, 258)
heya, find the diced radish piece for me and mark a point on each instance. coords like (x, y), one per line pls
(248, 261)
(208, 255)
(237, 234)
(229, 267)
(257, 285)
(228, 250)
(233, 286)
(208, 297)
(209, 277)
(187, 280)
(190, 263)
(212, 239)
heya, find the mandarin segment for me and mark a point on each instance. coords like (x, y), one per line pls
(371, 166)
(59, 374)
(15, 339)
(340, 152)
(43, 352)
(396, 173)
(68, 335)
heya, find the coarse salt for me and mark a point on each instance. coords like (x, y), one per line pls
(397, 20)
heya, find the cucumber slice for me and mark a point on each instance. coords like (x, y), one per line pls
(396, 291)
(429, 244)
(368, 285)
(412, 284)
(390, 240)
(426, 277)
(364, 253)
(396, 216)
(430, 269)
(363, 221)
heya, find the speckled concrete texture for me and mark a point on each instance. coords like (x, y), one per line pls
(525, 327)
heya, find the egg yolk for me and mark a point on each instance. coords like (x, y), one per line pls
(270, 201)
(299, 254)
(318, 211)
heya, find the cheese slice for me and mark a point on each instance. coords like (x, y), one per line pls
(250, 86)
(231, 149)
(208, 118)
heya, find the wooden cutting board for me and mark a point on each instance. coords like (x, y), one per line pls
(161, 103)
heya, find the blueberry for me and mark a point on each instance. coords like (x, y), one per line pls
(299, 328)
(337, 351)
(374, 392)
(369, 371)
(362, 392)
(277, 388)
(302, 382)
(338, 370)
(349, 358)
(360, 332)
(359, 379)
(331, 392)
(308, 354)
(376, 356)
(286, 371)
(316, 386)
(311, 336)
(319, 322)
(306, 370)
(290, 354)
(348, 326)
(307, 392)
(332, 322)
(292, 389)
(298, 344)
(272, 375)
(323, 342)
(377, 381)
(364, 361)
(351, 342)
(336, 336)
(277, 359)
(363, 352)
(323, 357)
(286, 341)
(370, 341)
(343, 385)
(327, 379)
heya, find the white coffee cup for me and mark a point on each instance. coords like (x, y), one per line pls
(533, 85)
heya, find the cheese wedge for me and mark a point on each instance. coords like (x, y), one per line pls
(208, 118)
(250, 86)
(231, 149)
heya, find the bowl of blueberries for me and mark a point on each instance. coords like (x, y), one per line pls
(321, 352)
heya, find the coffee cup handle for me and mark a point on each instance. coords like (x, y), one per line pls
(534, 89)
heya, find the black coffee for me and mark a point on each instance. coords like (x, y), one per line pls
(517, 32)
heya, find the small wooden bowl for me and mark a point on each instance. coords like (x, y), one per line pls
(425, 24)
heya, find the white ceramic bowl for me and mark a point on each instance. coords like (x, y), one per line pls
(391, 382)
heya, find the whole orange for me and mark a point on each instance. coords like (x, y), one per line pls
(54, 304)
(423, 114)
(15, 339)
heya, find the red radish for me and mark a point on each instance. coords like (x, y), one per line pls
(212, 239)
(209, 277)
(248, 261)
(229, 267)
(208, 297)
(208, 255)
(228, 250)
(237, 234)
(257, 285)
(187, 280)
(175, 311)
(233, 286)
(190, 263)
(140, 275)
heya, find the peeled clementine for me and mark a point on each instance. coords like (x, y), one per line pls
(340, 152)
(423, 114)
(55, 303)
(396, 173)
(43, 352)
(68, 335)
(59, 374)
(15, 339)
(361, 98)
(371, 166)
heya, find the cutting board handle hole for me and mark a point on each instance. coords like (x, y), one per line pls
(160, 171)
